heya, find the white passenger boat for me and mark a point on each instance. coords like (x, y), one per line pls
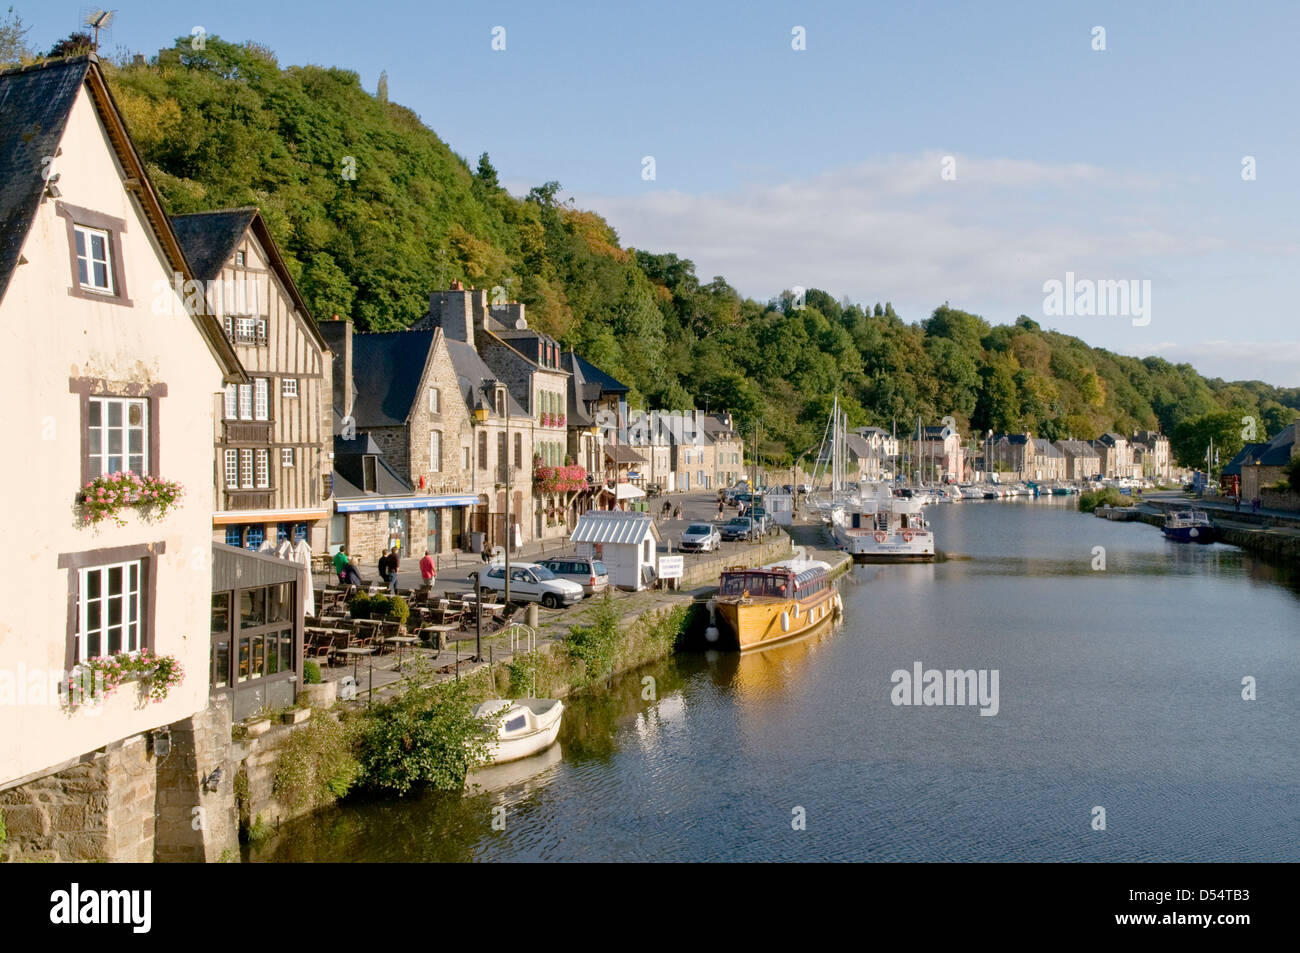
(880, 527)
(524, 726)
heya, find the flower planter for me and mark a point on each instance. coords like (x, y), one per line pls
(255, 727)
(295, 716)
(322, 695)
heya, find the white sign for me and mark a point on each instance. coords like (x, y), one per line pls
(671, 567)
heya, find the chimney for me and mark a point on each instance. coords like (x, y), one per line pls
(452, 311)
(338, 335)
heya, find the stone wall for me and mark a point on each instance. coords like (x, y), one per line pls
(701, 570)
(368, 535)
(100, 809)
(195, 825)
(1277, 500)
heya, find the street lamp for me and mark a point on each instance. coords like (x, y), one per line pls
(478, 617)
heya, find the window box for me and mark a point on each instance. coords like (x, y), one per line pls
(107, 496)
(95, 679)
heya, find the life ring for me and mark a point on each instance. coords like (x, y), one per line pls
(880, 535)
(785, 622)
(907, 535)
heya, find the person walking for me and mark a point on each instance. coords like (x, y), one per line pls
(428, 571)
(341, 564)
(394, 563)
(719, 509)
(385, 565)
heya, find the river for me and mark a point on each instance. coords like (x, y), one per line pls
(1118, 688)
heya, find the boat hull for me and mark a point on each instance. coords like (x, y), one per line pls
(1191, 534)
(755, 623)
(866, 545)
(543, 730)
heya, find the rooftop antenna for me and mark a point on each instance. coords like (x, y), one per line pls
(99, 20)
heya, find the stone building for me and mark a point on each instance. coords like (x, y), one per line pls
(938, 455)
(1081, 459)
(1157, 461)
(1047, 461)
(105, 360)
(1009, 454)
(728, 449)
(403, 468)
(273, 435)
(1112, 449)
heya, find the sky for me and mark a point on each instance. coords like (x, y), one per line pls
(917, 153)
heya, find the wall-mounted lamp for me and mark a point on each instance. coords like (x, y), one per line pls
(162, 743)
(212, 780)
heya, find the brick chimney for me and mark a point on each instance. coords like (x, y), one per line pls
(338, 335)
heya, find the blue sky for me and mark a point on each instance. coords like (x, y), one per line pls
(822, 167)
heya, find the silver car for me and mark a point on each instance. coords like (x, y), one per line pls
(584, 570)
(700, 538)
(530, 582)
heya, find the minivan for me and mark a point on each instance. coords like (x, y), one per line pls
(586, 571)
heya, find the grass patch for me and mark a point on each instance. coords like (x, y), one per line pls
(1089, 500)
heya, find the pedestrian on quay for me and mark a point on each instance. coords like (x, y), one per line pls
(341, 564)
(394, 563)
(719, 509)
(1236, 503)
(428, 571)
(351, 575)
(385, 565)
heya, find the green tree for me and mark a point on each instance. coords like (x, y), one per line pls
(13, 40)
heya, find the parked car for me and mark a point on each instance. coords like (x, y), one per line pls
(738, 527)
(745, 497)
(653, 489)
(787, 488)
(700, 538)
(805, 487)
(586, 571)
(532, 582)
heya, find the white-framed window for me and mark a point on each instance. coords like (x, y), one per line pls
(246, 330)
(232, 401)
(119, 435)
(94, 269)
(232, 469)
(286, 456)
(261, 404)
(263, 469)
(239, 259)
(245, 401)
(108, 611)
(464, 458)
(246, 469)
(435, 401)
(289, 387)
(435, 451)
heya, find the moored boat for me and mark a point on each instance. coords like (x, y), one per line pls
(524, 726)
(1190, 526)
(770, 604)
(884, 528)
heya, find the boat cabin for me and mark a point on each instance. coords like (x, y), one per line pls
(778, 583)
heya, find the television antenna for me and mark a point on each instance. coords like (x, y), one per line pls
(98, 20)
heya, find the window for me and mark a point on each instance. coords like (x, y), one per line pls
(263, 469)
(234, 536)
(245, 401)
(500, 401)
(239, 259)
(435, 401)
(118, 429)
(232, 401)
(286, 456)
(464, 458)
(289, 387)
(232, 469)
(93, 267)
(435, 451)
(246, 468)
(109, 610)
(254, 537)
(519, 451)
(482, 449)
(369, 473)
(260, 401)
(246, 330)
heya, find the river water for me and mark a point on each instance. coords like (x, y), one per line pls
(1118, 688)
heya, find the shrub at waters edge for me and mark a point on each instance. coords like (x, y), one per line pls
(1089, 500)
(427, 737)
(316, 764)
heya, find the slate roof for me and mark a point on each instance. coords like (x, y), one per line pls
(594, 375)
(622, 453)
(471, 372)
(1112, 438)
(577, 415)
(209, 238)
(1015, 439)
(1247, 454)
(859, 446)
(386, 372)
(1077, 448)
(1278, 451)
(1047, 448)
(34, 106)
(348, 478)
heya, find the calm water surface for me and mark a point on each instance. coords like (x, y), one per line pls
(1118, 688)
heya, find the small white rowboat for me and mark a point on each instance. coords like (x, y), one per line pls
(525, 726)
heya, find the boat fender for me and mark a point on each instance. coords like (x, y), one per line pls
(785, 622)
(794, 611)
(880, 536)
(838, 604)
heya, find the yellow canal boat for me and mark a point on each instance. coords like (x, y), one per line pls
(776, 602)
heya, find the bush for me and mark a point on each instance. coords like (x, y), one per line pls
(316, 764)
(427, 737)
(1089, 500)
(310, 673)
(366, 606)
(596, 645)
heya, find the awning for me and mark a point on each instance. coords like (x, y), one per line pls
(626, 491)
(371, 505)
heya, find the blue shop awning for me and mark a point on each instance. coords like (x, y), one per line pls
(371, 504)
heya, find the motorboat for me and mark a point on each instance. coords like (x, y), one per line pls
(1189, 526)
(775, 602)
(524, 726)
(884, 528)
